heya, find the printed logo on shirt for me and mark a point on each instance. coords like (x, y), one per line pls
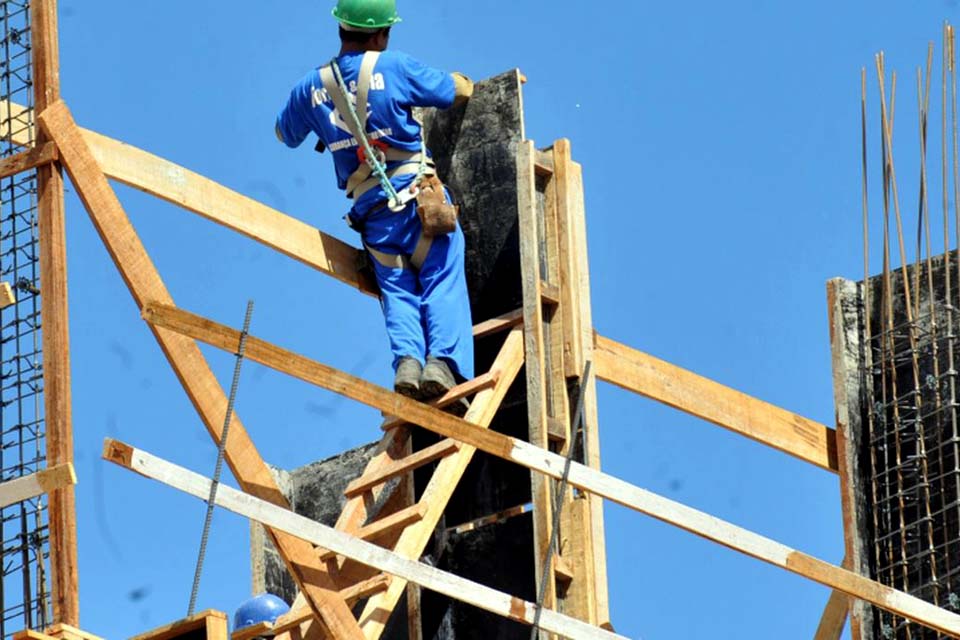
(320, 96)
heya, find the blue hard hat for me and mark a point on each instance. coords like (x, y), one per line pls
(265, 607)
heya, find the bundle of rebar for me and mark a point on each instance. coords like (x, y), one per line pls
(910, 320)
(24, 537)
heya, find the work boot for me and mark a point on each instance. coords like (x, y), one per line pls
(407, 380)
(436, 379)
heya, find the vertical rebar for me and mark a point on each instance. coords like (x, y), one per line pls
(221, 449)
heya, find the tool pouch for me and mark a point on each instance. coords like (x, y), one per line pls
(437, 216)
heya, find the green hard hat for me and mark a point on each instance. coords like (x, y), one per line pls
(367, 14)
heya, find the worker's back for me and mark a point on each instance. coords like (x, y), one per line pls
(398, 83)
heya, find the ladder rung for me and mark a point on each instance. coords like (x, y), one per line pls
(543, 162)
(550, 293)
(402, 466)
(556, 430)
(365, 589)
(562, 570)
(459, 392)
(377, 529)
(500, 323)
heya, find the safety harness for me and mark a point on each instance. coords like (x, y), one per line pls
(374, 156)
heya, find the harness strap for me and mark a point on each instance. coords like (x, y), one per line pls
(395, 261)
(420, 251)
(360, 181)
(363, 86)
(356, 188)
(388, 260)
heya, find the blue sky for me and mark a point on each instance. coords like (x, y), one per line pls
(720, 146)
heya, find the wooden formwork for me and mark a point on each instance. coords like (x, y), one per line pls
(554, 326)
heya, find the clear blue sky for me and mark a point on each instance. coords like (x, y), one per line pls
(720, 145)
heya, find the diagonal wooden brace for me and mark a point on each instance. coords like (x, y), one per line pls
(551, 464)
(190, 366)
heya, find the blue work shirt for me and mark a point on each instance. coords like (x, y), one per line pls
(399, 82)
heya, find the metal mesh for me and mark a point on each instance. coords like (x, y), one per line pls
(24, 555)
(914, 451)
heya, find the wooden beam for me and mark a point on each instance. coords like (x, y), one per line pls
(188, 627)
(31, 159)
(500, 323)
(584, 519)
(758, 420)
(535, 357)
(294, 619)
(199, 382)
(7, 297)
(69, 632)
(468, 388)
(346, 545)
(56, 327)
(161, 178)
(378, 528)
(438, 492)
(35, 484)
(834, 617)
(551, 464)
(844, 310)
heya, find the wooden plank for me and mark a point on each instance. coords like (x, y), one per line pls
(400, 467)
(56, 324)
(549, 293)
(217, 628)
(69, 632)
(260, 630)
(834, 617)
(569, 194)
(31, 159)
(183, 627)
(7, 297)
(770, 425)
(175, 184)
(582, 522)
(35, 484)
(191, 367)
(498, 324)
(591, 531)
(535, 358)
(344, 544)
(31, 634)
(439, 489)
(379, 528)
(494, 518)
(551, 464)
(843, 307)
(468, 388)
(367, 588)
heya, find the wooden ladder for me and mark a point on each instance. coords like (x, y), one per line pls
(381, 507)
(557, 342)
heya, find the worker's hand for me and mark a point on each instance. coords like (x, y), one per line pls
(463, 88)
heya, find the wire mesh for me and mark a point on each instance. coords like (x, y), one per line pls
(24, 538)
(913, 448)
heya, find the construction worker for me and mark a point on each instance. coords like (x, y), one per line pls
(359, 105)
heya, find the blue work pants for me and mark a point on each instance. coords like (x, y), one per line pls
(427, 309)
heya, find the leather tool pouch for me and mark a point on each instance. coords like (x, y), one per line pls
(436, 214)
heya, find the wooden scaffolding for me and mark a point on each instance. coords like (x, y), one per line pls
(371, 556)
